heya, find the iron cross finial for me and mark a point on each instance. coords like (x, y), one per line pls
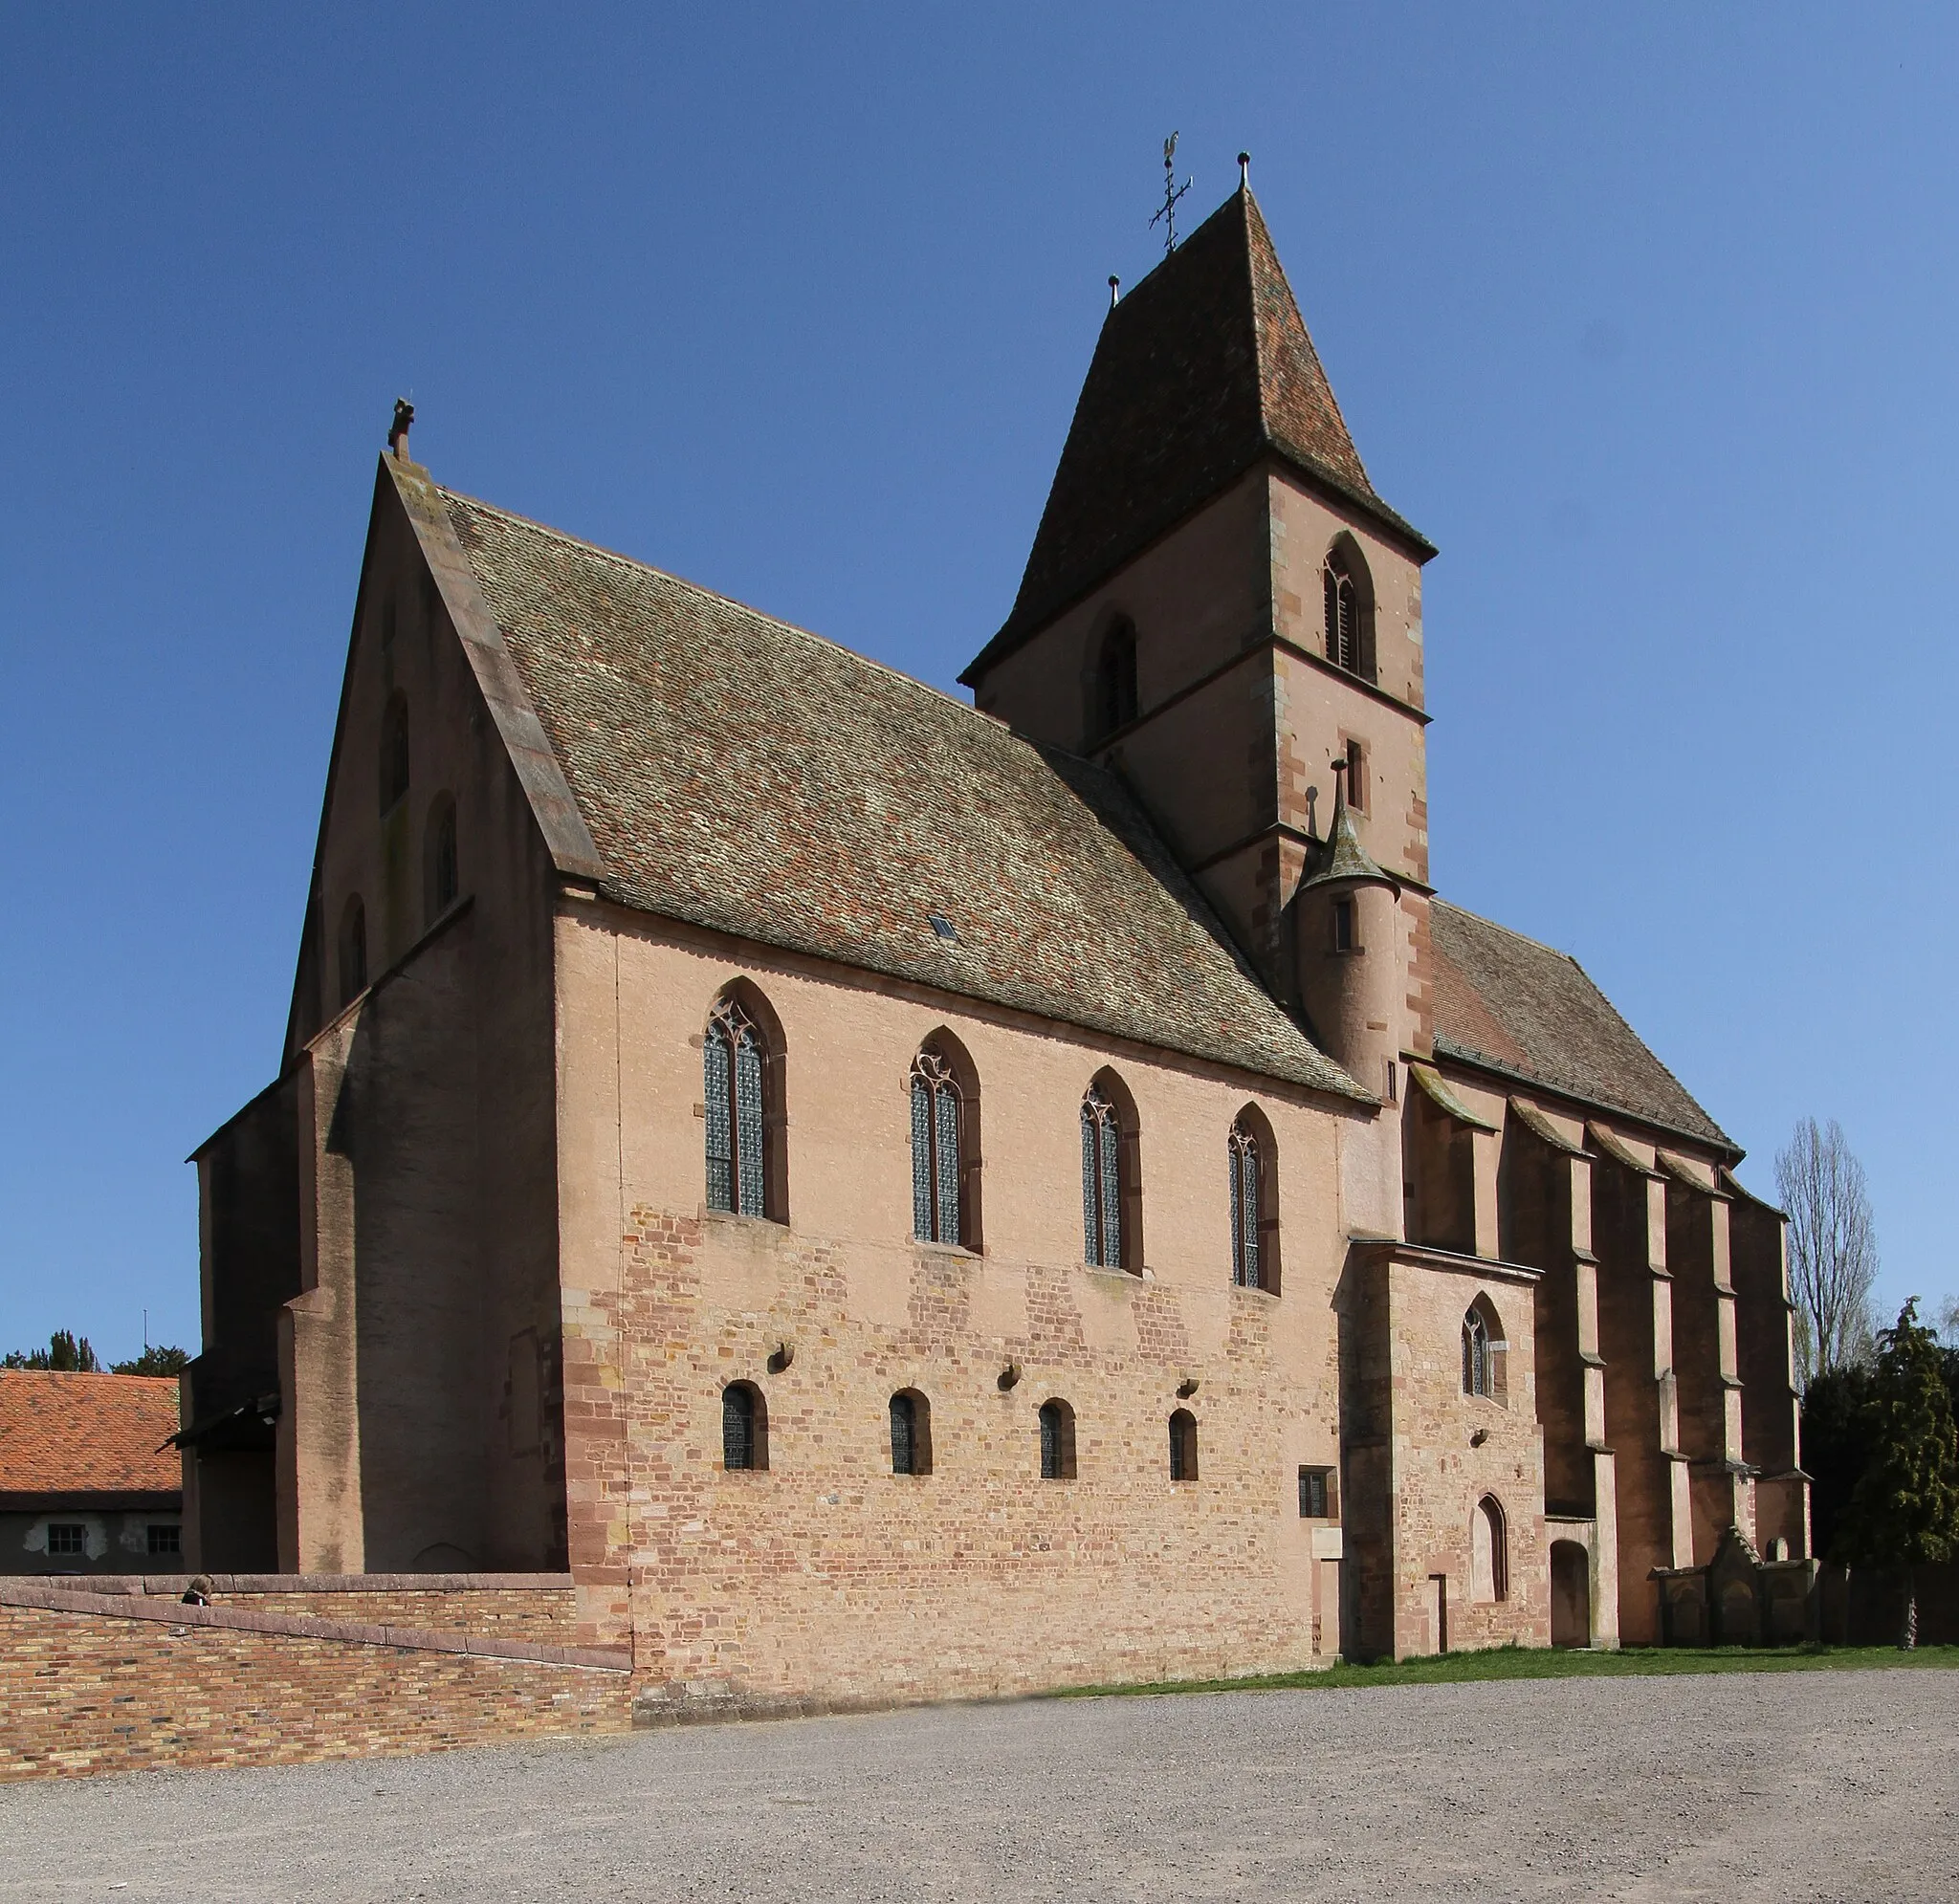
(1172, 192)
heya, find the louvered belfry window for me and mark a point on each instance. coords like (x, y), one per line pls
(1343, 630)
(936, 1113)
(1243, 1152)
(1101, 1181)
(733, 1061)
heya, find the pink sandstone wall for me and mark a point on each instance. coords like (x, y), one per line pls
(829, 1574)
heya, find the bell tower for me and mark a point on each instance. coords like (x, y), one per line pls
(1221, 608)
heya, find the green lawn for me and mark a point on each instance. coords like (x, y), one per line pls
(1514, 1662)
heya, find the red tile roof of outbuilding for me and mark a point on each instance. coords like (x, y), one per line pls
(66, 1434)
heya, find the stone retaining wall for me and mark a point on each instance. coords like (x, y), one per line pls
(93, 1681)
(517, 1605)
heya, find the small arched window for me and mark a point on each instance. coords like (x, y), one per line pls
(441, 875)
(1184, 1446)
(353, 950)
(939, 1116)
(1115, 681)
(1489, 1560)
(744, 1427)
(911, 1433)
(742, 1075)
(1244, 1206)
(1057, 1441)
(394, 752)
(1349, 609)
(1110, 1200)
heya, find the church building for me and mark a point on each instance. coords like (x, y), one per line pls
(905, 1198)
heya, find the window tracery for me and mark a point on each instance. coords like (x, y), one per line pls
(937, 1110)
(737, 1161)
(1101, 1180)
(1476, 1355)
(1244, 1153)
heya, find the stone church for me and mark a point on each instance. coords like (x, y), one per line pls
(908, 1198)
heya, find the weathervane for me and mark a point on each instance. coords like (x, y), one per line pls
(1172, 192)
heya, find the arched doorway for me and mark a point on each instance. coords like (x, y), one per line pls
(1571, 1594)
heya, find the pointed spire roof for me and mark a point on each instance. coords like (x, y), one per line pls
(1201, 369)
(1343, 860)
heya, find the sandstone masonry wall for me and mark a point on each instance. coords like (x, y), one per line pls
(86, 1691)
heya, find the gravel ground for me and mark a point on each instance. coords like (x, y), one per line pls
(1789, 1786)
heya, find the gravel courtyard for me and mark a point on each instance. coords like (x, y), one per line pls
(1786, 1785)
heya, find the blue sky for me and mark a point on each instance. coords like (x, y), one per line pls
(1646, 316)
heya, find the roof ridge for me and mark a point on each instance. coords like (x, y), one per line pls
(715, 595)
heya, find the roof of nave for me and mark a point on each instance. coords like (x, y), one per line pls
(1199, 370)
(743, 775)
(71, 1434)
(1508, 1003)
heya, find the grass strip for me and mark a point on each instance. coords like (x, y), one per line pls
(1543, 1662)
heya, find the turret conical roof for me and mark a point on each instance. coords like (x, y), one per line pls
(1202, 368)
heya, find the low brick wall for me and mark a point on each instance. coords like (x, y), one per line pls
(95, 1682)
(516, 1606)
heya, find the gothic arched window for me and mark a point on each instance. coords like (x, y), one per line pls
(736, 1060)
(1477, 1360)
(1115, 681)
(353, 950)
(1489, 1559)
(1109, 1240)
(440, 875)
(394, 752)
(1244, 1206)
(937, 1149)
(1349, 609)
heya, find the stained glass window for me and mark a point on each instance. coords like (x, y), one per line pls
(1101, 1181)
(936, 1108)
(732, 1062)
(1244, 1153)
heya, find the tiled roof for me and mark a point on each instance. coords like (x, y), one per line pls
(1505, 1001)
(1202, 368)
(743, 775)
(64, 1433)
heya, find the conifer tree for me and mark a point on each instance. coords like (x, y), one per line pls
(64, 1353)
(1905, 1508)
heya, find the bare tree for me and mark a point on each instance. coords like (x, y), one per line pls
(1948, 1323)
(1833, 1248)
